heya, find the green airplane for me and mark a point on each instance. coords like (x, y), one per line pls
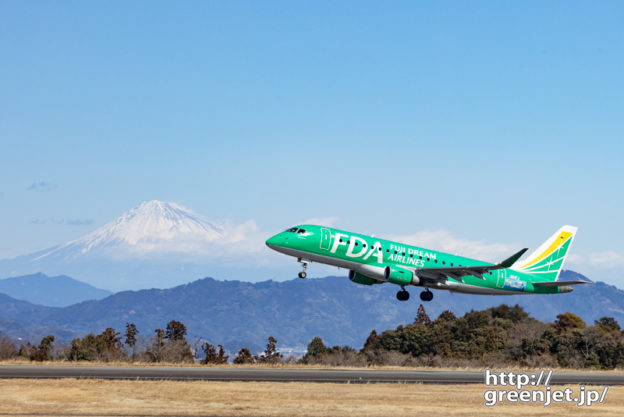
(375, 261)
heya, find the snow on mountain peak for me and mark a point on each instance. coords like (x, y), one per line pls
(158, 220)
(152, 227)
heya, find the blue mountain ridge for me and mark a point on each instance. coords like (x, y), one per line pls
(59, 291)
(238, 314)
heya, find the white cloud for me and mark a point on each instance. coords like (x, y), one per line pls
(495, 252)
(575, 258)
(606, 259)
(245, 237)
(602, 260)
(443, 240)
(238, 232)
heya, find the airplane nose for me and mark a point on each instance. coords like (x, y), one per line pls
(272, 241)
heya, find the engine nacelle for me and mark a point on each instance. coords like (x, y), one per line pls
(400, 276)
(361, 279)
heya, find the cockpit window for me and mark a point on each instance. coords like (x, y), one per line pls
(296, 230)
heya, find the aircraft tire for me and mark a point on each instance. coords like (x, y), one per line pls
(402, 295)
(426, 296)
(302, 274)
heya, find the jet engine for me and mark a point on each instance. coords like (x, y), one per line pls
(361, 279)
(400, 276)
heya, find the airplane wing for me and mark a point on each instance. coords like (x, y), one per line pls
(457, 272)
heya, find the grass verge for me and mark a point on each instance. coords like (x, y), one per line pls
(125, 398)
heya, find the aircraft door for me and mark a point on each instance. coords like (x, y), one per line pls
(502, 274)
(325, 238)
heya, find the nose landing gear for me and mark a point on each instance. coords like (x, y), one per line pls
(304, 263)
(426, 295)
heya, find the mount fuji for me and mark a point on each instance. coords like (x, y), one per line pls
(156, 244)
(152, 228)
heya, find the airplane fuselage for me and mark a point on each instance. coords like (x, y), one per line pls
(372, 260)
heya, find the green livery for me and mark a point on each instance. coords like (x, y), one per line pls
(375, 261)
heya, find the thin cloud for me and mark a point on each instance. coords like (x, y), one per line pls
(445, 241)
(69, 222)
(575, 258)
(41, 186)
(605, 259)
(78, 222)
(322, 221)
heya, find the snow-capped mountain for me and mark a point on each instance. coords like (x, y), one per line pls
(152, 228)
(157, 244)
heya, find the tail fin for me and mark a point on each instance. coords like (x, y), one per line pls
(547, 260)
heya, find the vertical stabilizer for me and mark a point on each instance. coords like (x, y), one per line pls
(547, 260)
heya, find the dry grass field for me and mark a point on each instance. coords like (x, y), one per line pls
(71, 397)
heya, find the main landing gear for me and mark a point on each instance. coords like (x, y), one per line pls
(426, 295)
(402, 295)
(304, 263)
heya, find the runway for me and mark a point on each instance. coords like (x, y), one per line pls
(286, 375)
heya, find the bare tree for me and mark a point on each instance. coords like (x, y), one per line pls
(7, 348)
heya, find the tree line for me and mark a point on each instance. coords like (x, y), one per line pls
(168, 345)
(497, 336)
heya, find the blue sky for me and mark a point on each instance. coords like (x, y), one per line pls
(494, 122)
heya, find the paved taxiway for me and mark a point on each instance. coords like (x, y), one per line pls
(286, 375)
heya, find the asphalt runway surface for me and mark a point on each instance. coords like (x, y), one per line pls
(286, 375)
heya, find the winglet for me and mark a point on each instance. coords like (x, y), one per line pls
(512, 259)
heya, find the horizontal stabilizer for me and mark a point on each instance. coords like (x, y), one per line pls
(558, 283)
